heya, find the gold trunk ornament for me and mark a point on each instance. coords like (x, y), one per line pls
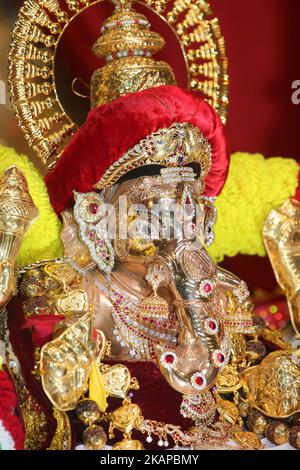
(17, 213)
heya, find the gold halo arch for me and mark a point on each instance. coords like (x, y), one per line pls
(37, 32)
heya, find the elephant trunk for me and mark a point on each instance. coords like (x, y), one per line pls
(195, 345)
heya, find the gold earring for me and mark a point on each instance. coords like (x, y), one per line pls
(154, 306)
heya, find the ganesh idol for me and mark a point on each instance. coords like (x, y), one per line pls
(118, 333)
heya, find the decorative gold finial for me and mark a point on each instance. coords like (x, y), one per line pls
(17, 213)
(128, 45)
(17, 209)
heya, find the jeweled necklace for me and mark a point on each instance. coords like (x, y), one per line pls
(138, 334)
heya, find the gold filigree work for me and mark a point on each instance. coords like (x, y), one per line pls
(273, 387)
(39, 29)
(65, 365)
(127, 43)
(62, 439)
(35, 421)
(179, 144)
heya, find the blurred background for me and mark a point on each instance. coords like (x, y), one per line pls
(263, 47)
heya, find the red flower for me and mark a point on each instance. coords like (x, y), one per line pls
(8, 406)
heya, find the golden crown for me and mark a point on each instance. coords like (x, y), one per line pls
(127, 44)
(175, 146)
(41, 28)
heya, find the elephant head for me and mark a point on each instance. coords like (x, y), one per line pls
(180, 321)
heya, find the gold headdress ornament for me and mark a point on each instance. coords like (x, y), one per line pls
(40, 32)
(127, 44)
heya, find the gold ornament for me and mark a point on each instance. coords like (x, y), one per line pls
(273, 386)
(238, 318)
(227, 410)
(65, 365)
(128, 444)
(63, 273)
(281, 237)
(248, 440)
(17, 213)
(155, 306)
(228, 379)
(177, 145)
(74, 303)
(127, 44)
(116, 380)
(41, 28)
(125, 418)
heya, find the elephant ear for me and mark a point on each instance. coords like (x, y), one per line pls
(90, 215)
(74, 247)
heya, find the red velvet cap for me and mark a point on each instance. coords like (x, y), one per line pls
(110, 130)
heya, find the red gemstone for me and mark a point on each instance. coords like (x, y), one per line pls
(221, 358)
(207, 288)
(199, 381)
(169, 359)
(212, 325)
(93, 208)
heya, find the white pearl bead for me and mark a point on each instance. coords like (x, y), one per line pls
(149, 439)
(166, 443)
(160, 443)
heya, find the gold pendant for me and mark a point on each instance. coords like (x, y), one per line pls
(155, 307)
(248, 440)
(125, 418)
(74, 303)
(65, 365)
(228, 379)
(61, 272)
(227, 410)
(128, 444)
(116, 381)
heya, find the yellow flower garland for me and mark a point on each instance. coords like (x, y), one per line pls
(254, 186)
